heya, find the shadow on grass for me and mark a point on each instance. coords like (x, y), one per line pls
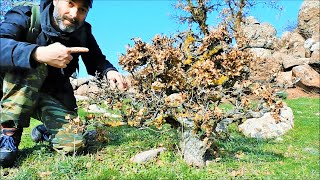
(26, 152)
(124, 135)
(252, 148)
(117, 136)
(146, 138)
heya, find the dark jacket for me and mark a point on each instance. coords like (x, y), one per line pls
(16, 52)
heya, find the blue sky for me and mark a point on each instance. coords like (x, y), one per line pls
(115, 22)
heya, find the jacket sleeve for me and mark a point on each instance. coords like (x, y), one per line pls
(15, 52)
(94, 60)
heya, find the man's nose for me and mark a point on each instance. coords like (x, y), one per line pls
(73, 12)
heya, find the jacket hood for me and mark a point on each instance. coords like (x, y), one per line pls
(46, 7)
(44, 4)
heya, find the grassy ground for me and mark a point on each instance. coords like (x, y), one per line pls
(293, 156)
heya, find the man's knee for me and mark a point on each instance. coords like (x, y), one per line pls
(68, 142)
(70, 138)
(66, 128)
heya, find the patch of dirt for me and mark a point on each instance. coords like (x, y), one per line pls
(298, 92)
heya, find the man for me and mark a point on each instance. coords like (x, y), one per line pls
(34, 77)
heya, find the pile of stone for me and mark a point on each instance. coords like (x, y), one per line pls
(83, 87)
(293, 59)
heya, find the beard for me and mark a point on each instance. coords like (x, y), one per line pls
(75, 24)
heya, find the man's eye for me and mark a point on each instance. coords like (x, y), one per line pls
(82, 10)
(70, 3)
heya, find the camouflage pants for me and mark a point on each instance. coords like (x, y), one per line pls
(21, 100)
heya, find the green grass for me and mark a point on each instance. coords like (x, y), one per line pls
(293, 156)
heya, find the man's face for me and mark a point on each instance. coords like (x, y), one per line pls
(69, 15)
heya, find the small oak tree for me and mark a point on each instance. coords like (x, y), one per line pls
(184, 79)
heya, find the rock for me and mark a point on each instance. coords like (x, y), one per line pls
(290, 61)
(254, 114)
(316, 37)
(81, 98)
(299, 51)
(261, 52)
(82, 90)
(315, 47)
(309, 78)
(267, 127)
(292, 43)
(307, 46)
(93, 108)
(186, 122)
(222, 126)
(74, 87)
(146, 156)
(278, 56)
(109, 115)
(308, 43)
(315, 57)
(284, 79)
(80, 81)
(93, 89)
(311, 150)
(260, 35)
(193, 149)
(308, 18)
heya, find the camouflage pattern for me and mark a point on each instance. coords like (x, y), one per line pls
(67, 136)
(21, 100)
(20, 90)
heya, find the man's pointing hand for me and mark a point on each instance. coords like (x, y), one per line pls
(56, 54)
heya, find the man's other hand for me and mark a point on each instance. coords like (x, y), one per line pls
(117, 79)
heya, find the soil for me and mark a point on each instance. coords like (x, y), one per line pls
(298, 92)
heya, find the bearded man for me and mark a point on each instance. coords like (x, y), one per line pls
(34, 76)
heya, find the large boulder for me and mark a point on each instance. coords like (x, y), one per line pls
(308, 19)
(284, 79)
(267, 126)
(309, 78)
(293, 44)
(260, 35)
(290, 61)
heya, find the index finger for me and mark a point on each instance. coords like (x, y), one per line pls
(78, 49)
